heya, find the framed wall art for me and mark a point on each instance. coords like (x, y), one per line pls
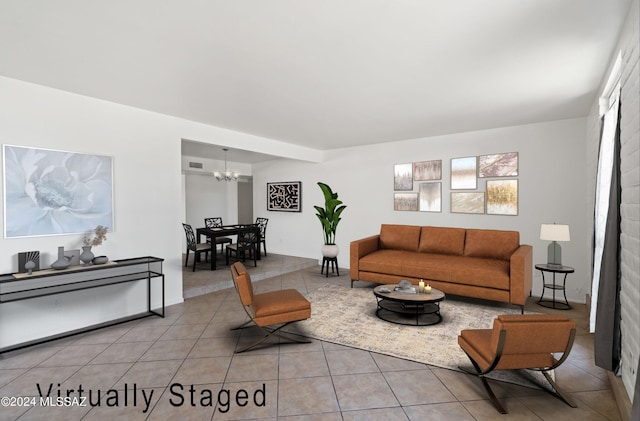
(427, 170)
(284, 196)
(403, 177)
(463, 173)
(467, 202)
(405, 201)
(502, 197)
(498, 165)
(28, 256)
(50, 192)
(430, 195)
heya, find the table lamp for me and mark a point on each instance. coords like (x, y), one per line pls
(554, 233)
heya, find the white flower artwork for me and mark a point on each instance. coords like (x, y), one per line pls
(48, 192)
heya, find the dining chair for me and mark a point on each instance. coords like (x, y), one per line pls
(262, 223)
(217, 223)
(269, 308)
(247, 242)
(519, 341)
(193, 245)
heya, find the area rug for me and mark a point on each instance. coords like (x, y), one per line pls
(346, 316)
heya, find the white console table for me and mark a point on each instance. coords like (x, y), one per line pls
(22, 286)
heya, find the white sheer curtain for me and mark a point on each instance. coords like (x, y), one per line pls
(603, 191)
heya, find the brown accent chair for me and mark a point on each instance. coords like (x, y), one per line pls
(269, 308)
(519, 342)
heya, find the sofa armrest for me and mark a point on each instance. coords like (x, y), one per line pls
(521, 274)
(361, 248)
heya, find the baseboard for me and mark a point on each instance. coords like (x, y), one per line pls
(622, 398)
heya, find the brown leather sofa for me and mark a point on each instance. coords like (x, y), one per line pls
(479, 263)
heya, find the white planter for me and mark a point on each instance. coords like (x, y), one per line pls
(330, 250)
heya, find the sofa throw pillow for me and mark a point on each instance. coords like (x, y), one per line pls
(399, 237)
(442, 240)
(493, 244)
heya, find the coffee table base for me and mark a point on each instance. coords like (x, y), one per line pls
(410, 314)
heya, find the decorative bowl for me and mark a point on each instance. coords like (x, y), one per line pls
(100, 260)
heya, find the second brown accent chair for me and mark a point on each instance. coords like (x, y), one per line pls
(274, 308)
(519, 342)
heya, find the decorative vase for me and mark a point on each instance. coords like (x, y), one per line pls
(330, 250)
(63, 261)
(30, 266)
(87, 255)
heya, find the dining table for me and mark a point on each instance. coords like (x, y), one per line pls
(227, 230)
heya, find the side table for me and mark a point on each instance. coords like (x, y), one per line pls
(543, 267)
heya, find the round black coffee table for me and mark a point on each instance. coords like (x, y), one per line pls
(405, 308)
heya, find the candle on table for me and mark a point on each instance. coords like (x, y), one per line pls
(421, 286)
(427, 289)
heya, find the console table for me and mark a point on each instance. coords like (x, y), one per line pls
(22, 286)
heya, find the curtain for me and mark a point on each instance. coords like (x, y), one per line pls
(605, 308)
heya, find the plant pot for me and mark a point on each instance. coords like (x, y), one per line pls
(330, 250)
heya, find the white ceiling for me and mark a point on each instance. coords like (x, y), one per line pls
(323, 74)
(206, 150)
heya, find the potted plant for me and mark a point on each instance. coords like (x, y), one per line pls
(329, 217)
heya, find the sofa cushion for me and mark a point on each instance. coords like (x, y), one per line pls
(492, 244)
(383, 261)
(428, 266)
(486, 273)
(399, 237)
(442, 240)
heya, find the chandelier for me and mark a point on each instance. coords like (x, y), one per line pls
(226, 175)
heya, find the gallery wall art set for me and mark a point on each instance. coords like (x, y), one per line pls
(418, 185)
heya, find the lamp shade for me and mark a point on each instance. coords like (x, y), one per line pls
(554, 232)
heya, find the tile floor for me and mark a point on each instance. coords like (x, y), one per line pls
(183, 367)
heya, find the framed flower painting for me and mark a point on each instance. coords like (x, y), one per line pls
(50, 192)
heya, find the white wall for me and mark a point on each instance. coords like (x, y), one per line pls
(245, 201)
(146, 186)
(149, 205)
(551, 178)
